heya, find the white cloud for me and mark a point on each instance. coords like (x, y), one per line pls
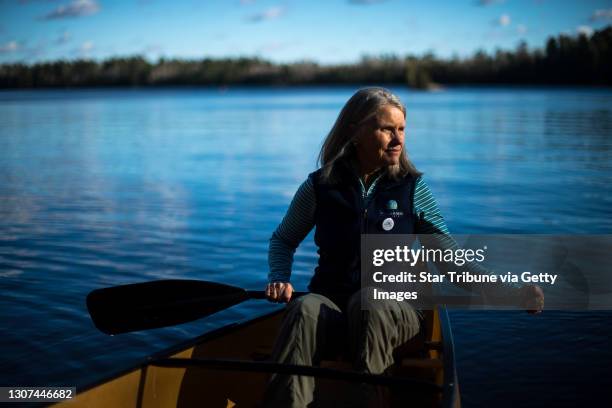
(501, 21)
(602, 15)
(8, 47)
(584, 29)
(77, 8)
(85, 48)
(269, 14)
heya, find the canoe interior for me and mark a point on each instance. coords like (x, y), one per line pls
(151, 386)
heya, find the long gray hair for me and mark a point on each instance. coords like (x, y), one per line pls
(338, 145)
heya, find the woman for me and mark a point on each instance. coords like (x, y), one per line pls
(365, 175)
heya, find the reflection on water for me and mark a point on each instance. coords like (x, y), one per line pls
(102, 187)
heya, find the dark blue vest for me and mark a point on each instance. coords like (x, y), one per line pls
(341, 217)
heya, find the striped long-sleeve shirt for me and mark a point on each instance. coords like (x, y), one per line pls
(299, 221)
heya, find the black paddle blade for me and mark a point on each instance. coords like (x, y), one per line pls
(149, 305)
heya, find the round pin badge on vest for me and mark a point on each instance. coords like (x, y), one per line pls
(392, 205)
(388, 224)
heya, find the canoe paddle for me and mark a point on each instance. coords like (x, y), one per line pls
(161, 303)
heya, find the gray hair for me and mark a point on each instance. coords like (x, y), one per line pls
(361, 107)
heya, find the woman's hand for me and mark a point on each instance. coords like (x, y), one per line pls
(279, 292)
(532, 298)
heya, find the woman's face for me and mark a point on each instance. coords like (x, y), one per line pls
(379, 141)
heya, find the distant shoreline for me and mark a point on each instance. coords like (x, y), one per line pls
(564, 61)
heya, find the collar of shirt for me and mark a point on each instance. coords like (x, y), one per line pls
(367, 193)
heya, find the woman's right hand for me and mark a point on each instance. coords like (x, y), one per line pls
(279, 292)
(532, 298)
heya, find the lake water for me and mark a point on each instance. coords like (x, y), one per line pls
(106, 187)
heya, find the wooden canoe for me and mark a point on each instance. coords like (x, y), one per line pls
(228, 367)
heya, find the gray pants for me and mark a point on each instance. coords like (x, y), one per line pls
(314, 328)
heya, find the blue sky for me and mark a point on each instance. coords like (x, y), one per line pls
(331, 31)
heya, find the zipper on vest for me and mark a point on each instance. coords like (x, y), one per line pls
(364, 194)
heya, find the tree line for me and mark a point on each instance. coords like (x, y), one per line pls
(565, 60)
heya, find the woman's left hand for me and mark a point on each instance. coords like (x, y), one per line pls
(532, 298)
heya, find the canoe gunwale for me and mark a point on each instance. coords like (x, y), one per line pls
(450, 394)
